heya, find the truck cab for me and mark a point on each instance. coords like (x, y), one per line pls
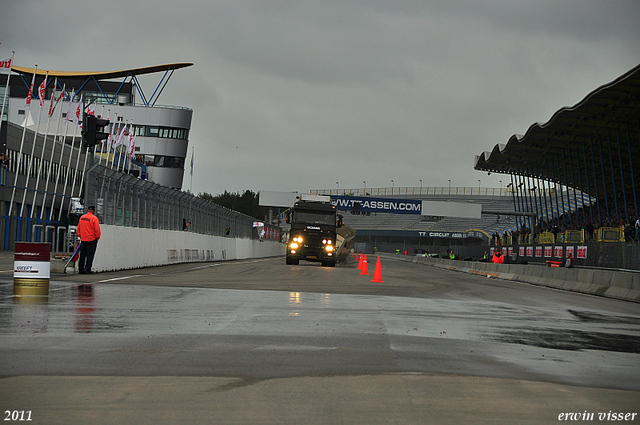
(313, 231)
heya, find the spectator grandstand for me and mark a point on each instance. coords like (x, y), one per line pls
(573, 185)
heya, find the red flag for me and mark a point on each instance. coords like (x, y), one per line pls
(30, 95)
(132, 142)
(76, 119)
(42, 90)
(54, 101)
(54, 105)
(53, 96)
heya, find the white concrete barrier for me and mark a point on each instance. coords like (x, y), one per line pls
(607, 283)
(131, 247)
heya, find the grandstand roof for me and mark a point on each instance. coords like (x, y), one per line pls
(603, 125)
(101, 75)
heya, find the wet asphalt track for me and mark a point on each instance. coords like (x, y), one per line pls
(241, 325)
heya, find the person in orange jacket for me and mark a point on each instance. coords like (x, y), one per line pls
(498, 258)
(89, 233)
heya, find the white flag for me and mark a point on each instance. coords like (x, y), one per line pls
(69, 112)
(110, 138)
(120, 140)
(55, 100)
(114, 138)
(132, 143)
(5, 66)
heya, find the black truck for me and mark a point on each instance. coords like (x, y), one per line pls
(313, 221)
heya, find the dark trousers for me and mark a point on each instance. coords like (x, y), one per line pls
(87, 252)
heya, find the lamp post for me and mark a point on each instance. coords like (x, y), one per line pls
(338, 188)
(449, 186)
(392, 186)
(500, 187)
(365, 186)
(421, 186)
(478, 187)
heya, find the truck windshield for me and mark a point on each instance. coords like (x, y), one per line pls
(314, 217)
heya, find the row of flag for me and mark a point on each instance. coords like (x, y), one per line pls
(116, 138)
(121, 134)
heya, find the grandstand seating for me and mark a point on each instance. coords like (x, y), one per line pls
(488, 223)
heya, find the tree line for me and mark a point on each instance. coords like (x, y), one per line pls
(245, 203)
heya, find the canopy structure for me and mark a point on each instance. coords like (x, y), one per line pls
(101, 75)
(593, 147)
(97, 76)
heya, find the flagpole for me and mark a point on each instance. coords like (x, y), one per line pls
(130, 147)
(95, 147)
(193, 148)
(33, 147)
(113, 135)
(24, 131)
(75, 174)
(64, 142)
(53, 149)
(107, 142)
(6, 90)
(44, 144)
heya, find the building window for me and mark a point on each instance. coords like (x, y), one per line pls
(162, 132)
(163, 161)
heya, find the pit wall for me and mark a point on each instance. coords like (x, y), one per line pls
(131, 247)
(607, 283)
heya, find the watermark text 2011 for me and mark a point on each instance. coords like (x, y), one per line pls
(17, 415)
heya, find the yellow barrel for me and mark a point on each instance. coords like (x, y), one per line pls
(32, 269)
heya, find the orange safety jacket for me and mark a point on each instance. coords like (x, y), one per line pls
(89, 227)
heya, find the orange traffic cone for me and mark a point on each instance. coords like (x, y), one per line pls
(359, 262)
(364, 269)
(377, 274)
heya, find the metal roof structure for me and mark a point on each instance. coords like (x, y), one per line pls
(97, 76)
(593, 146)
(101, 75)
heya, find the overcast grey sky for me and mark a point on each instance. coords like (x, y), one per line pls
(298, 95)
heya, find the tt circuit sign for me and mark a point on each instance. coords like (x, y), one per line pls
(377, 205)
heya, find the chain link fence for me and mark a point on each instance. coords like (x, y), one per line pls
(124, 200)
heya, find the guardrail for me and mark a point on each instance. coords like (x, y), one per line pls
(408, 191)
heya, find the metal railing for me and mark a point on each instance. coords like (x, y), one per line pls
(610, 234)
(409, 191)
(124, 200)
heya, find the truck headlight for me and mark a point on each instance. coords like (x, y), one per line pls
(293, 245)
(329, 248)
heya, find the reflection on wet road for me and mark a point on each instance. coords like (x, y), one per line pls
(148, 330)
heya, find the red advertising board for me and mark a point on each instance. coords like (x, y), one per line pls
(582, 252)
(32, 251)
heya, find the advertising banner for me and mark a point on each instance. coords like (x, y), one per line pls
(380, 205)
(31, 269)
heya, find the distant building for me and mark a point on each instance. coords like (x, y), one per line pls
(162, 132)
(43, 163)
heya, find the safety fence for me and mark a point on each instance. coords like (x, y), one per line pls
(122, 199)
(125, 200)
(610, 234)
(603, 234)
(419, 190)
